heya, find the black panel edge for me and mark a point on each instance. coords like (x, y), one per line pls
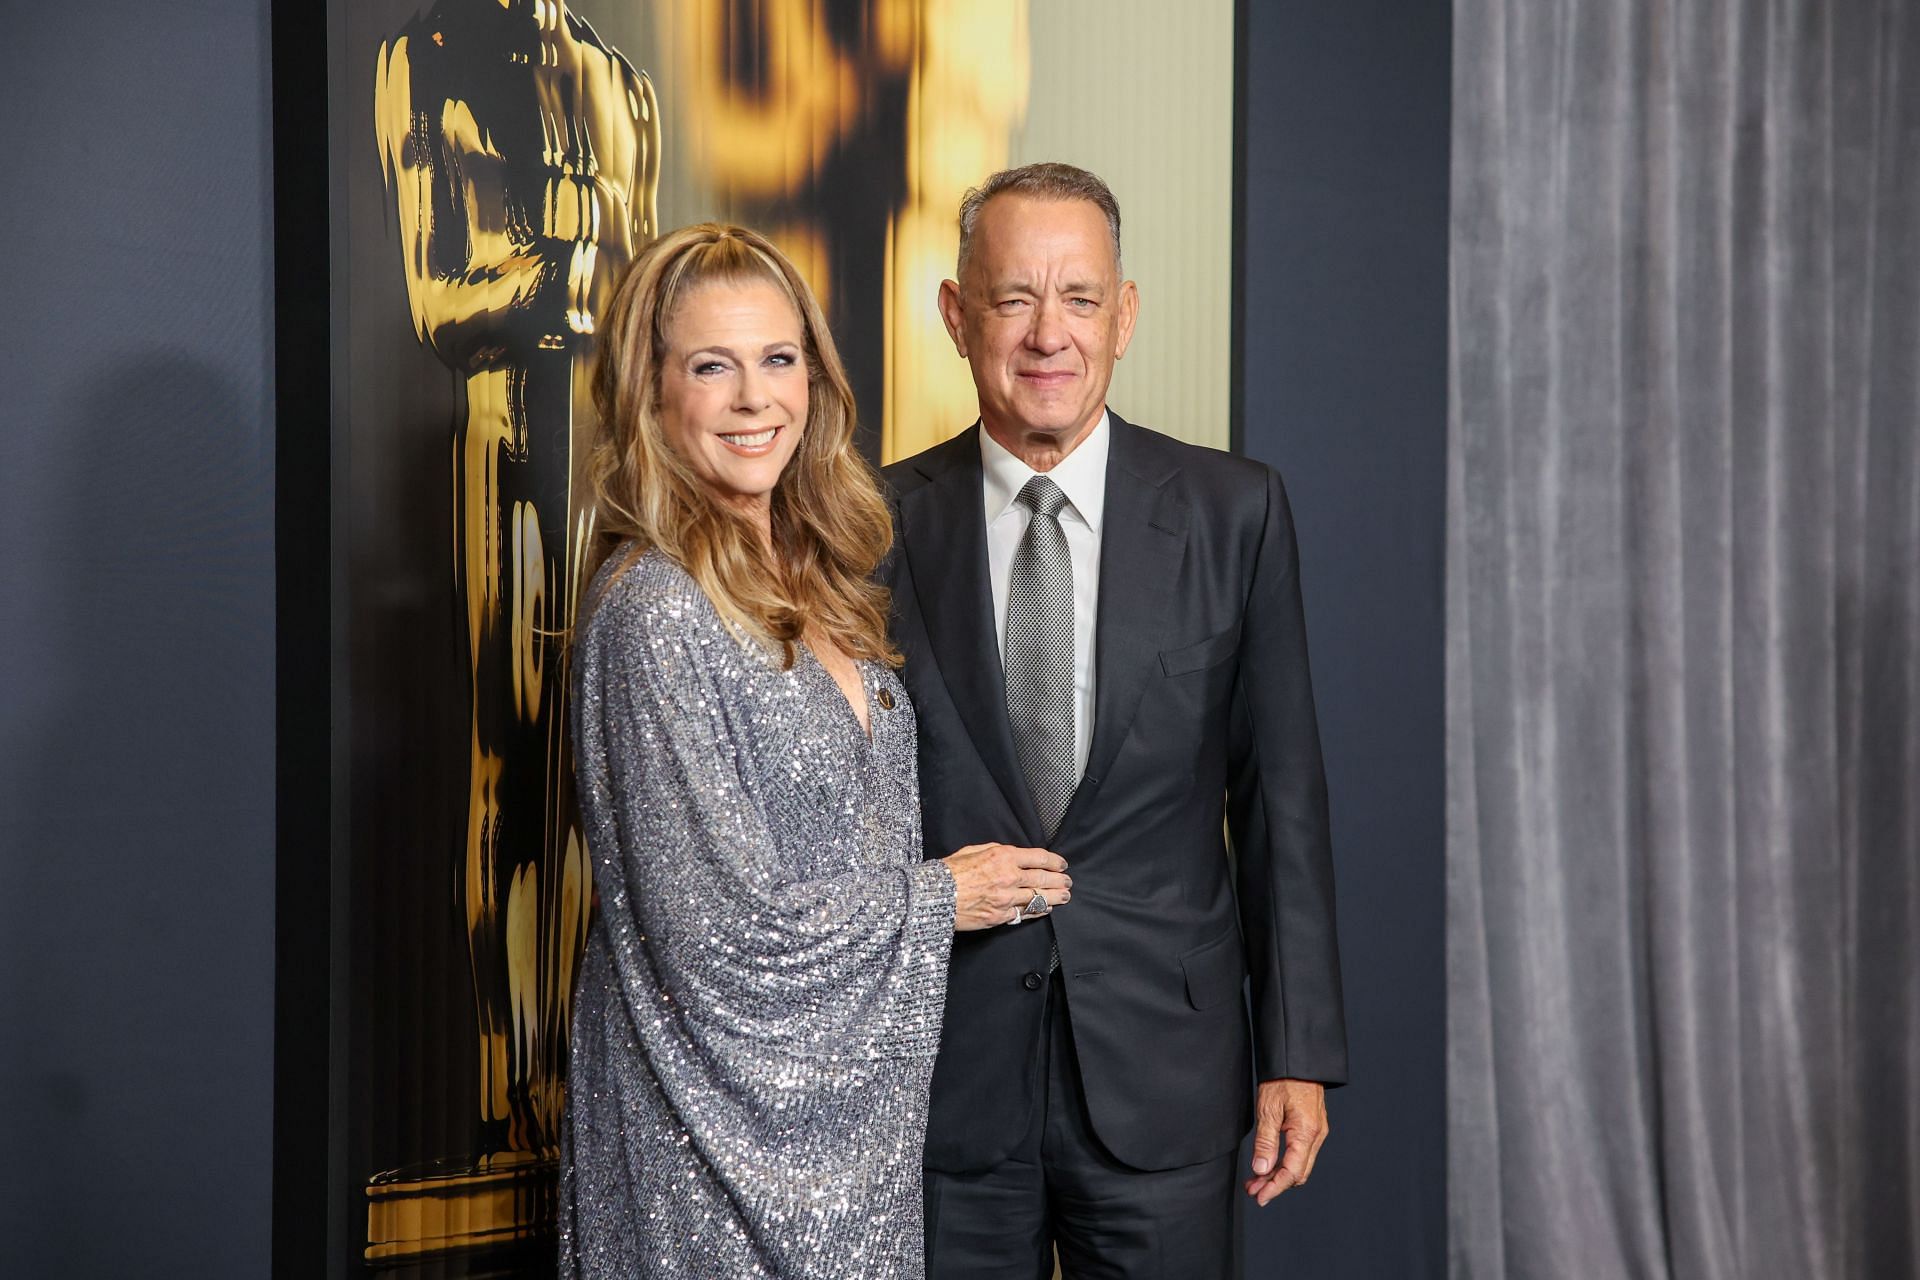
(1237, 272)
(304, 661)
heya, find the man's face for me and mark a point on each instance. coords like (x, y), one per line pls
(1041, 317)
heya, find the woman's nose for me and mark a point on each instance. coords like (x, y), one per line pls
(751, 395)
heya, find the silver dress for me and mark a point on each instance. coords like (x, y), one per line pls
(759, 1006)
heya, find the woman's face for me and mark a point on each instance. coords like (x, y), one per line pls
(733, 390)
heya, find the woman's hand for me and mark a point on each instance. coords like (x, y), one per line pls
(992, 883)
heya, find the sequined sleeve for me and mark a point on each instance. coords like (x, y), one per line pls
(737, 942)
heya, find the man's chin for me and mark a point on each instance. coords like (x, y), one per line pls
(1061, 424)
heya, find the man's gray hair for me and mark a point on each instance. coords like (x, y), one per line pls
(1048, 180)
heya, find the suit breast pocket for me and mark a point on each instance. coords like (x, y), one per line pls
(1211, 652)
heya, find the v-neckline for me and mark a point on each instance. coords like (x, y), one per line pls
(866, 695)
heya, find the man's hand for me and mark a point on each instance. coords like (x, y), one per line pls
(1298, 1109)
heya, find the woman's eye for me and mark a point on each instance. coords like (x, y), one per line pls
(707, 368)
(782, 359)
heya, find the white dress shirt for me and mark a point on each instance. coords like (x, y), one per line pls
(1082, 476)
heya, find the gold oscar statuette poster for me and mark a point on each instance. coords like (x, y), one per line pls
(499, 163)
(521, 154)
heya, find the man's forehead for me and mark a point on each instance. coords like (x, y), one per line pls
(1043, 279)
(1020, 236)
(1017, 218)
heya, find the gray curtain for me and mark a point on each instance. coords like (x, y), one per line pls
(1684, 639)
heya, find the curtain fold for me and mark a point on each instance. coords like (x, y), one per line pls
(1684, 639)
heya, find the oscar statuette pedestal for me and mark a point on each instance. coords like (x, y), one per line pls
(455, 1206)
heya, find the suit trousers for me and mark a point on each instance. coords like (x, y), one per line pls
(1061, 1187)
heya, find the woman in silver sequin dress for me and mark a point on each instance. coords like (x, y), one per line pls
(760, 1000)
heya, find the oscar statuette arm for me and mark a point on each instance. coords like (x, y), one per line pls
(465, 265)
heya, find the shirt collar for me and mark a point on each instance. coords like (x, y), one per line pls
(1081, 475)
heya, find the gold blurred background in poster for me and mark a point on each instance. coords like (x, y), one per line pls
(520, 153)
(932, 97)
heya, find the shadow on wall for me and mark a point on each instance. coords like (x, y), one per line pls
(1885, 951)
(136, 878)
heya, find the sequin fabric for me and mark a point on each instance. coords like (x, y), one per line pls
(759, 1005)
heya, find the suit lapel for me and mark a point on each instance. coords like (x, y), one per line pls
(1142, 542)
(945, 535)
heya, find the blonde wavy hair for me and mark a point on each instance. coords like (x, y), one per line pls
(830, 525)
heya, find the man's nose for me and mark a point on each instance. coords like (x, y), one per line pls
(1048, 332)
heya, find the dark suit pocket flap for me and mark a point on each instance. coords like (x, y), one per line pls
(1215, 971)
(1207, 653)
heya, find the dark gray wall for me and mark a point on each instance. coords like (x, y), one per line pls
(1344, 290)
(136, 602)
(136, 595)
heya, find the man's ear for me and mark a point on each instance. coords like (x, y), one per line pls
(952, 315)
(1129, 312)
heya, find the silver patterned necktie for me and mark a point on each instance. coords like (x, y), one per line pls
(1039, 653)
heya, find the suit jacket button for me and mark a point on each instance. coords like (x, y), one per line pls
(1032, 981)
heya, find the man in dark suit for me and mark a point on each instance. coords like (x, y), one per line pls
(1105, 644)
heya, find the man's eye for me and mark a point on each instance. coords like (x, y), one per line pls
(1082, 304)
(1012, 304)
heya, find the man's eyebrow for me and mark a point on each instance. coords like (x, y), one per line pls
(1082, 286)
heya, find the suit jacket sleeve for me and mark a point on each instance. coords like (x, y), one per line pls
(1277, 822)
